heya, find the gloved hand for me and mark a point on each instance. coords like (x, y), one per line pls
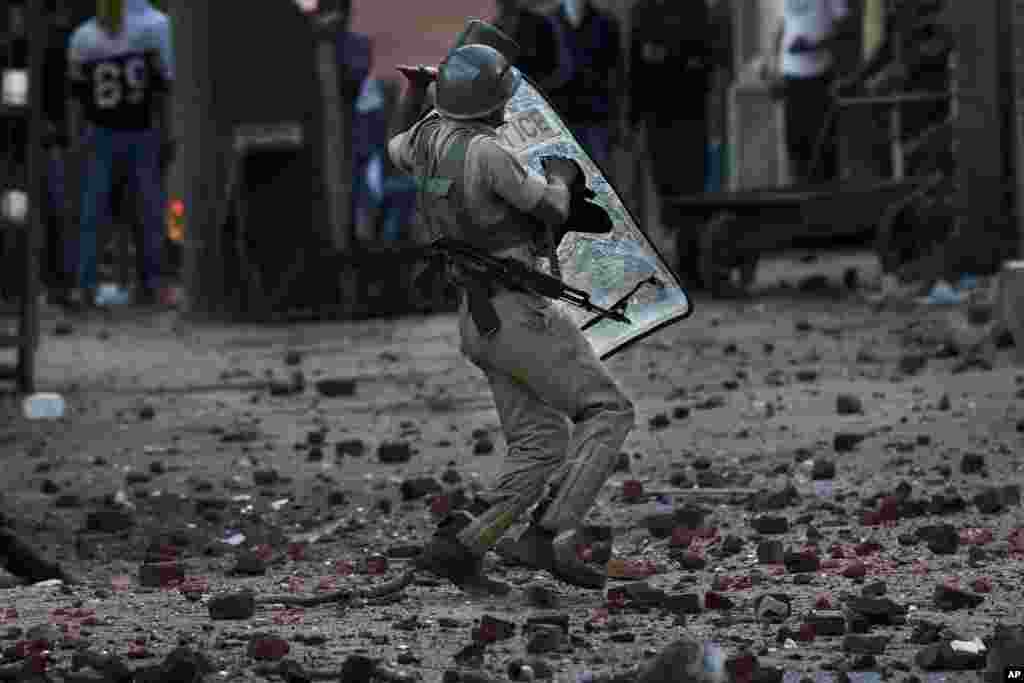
(584, 215)
(566, 170)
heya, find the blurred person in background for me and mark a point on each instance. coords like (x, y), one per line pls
(671, 52)
(803, 66)
(587, 102)
(121, 68)
(544, 53)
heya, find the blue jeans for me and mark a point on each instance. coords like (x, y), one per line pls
(596, 140)
(134, 155)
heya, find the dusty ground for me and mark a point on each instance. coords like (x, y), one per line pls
(181, 421)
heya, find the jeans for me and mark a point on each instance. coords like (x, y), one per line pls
(596, 141)
(564, 417)
(136, 155)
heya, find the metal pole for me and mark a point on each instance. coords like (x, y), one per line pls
(29, 332)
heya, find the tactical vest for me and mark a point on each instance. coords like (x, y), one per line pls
(441, 199)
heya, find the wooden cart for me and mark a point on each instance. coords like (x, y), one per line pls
(733, 229)
(722, 234)
(21, 185)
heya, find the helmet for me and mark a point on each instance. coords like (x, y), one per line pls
(475, 81)
(110, 15)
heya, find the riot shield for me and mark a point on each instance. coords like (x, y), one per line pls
(620, 269)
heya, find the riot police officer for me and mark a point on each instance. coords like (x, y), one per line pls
(564, 416)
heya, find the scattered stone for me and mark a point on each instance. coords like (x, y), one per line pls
(109, 521)
(926, 633)
(731, 545)
(945, 504)
(483, 446)
(801, 562)
(942, 539)
(717, 601)
(351, 447)
(875, 589)
(942, 657)
(995, 499)
(823, 469)
(683, 603)
(772, 500)
(419, 487)
(240, 605)
(394, 453)
(844, 442)
(264, 647)
(848, 404)
(855, 569)
(49, 487)
(682, 661)
(541, 595)
(249, 563)
(948, 599)
(865, 645)
(766, 524)
(451, 476)
(772, 607)
(160, 574)
(690, 560)
(827, 622)
(770, 552)
(67, 500)
(659, 421)
(336, 388)
(265, 477)
(879, 611)
(544, 638)
(911, 364)
(492, 629)
(641, 593)
(147, 412)
(972, 463)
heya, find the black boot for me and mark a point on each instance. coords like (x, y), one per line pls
(538, 549)
(449, 558)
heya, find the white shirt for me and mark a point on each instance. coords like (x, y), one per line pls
(812, 20)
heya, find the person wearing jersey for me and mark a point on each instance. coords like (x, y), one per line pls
(121, 67)
(564, 417)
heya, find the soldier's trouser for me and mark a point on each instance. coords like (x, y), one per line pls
(544, 374)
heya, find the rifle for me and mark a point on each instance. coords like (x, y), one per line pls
(480, 268)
